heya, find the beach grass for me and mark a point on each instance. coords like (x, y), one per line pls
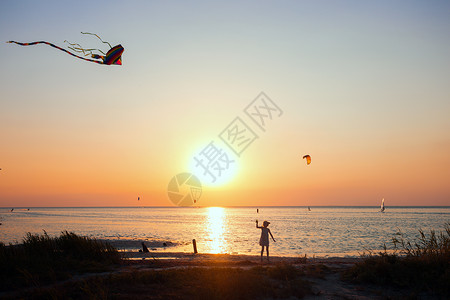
(421, 265)
(42, 259)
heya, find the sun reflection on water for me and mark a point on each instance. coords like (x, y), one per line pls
(216, 227)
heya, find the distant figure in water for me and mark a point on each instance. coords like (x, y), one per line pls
(257, 210)
(12, 209)
(264, 239)
(144, 248)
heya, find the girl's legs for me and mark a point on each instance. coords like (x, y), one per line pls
(262, 251)
(267, 249)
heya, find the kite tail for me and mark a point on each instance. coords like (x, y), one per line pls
(54, 46)
(81, 49)
(98, 38)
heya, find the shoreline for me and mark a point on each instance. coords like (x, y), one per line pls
(8, 207)
(156, 247)
(229, 259)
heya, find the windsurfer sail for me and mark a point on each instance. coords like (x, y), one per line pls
(382, 206)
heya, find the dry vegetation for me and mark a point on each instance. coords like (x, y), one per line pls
(421, 266)
(41, 259)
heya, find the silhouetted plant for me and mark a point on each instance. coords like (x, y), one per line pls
(420, 265)
(43, 259)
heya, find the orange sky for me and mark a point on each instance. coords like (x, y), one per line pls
(363, 89)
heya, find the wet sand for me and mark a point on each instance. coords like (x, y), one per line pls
(204, 258)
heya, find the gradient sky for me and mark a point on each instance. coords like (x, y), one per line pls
(363, 85)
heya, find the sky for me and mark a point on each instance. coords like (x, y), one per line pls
(360, 86)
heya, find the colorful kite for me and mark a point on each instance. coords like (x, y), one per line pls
(308, 159)
(112, 57)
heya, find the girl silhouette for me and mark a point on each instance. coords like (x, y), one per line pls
(264, 239)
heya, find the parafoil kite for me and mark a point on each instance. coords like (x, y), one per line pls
(112, 57)
(308, 159)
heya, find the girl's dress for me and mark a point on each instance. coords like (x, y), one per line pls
(264, 239)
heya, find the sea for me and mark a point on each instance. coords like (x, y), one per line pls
(298, 231)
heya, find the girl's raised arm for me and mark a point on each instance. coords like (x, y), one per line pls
(257, 224)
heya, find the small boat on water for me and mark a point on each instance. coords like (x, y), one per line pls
(382, 206)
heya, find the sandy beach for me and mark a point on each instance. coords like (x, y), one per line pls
(176, 275)
(325, 280)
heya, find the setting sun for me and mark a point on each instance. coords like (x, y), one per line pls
(214, 165)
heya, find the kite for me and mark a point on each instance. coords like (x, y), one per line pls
(308, 159)
(112, 57)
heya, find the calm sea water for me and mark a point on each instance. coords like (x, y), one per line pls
(323, 231)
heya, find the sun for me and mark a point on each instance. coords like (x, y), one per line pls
(214, 164)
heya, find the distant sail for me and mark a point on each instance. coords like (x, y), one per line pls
(382, 206)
